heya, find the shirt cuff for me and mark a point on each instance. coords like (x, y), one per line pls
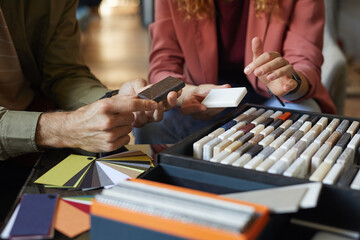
(17, 132)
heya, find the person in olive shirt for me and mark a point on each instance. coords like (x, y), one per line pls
(40, 59)
(46, 41)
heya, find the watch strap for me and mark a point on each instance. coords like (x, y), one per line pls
(297, 78)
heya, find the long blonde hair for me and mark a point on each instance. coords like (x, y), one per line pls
(204, 8)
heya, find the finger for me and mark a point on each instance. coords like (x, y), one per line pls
(257, 47)
(204, 90)
(116, 144)
(138, 84)
(189, 109)
(121, 119)
(104, 122)
(179, 93)
(143, 88)
(140, 105)
(140, 119)
(128, 104)
(131, 88)
(159, 113)
(114, 133)
(282, 85)
(268, 67)
(171, 100)
(288, 84)
(257, 64)
(286, 71)
(223, 86)
(156, 116)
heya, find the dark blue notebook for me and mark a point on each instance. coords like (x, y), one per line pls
(35, 215)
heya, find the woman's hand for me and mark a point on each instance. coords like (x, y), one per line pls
(274, 71)
(192, 97)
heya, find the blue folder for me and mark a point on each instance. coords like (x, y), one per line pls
(35, 215)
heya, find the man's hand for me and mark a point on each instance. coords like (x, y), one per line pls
(192, 97)
(132, 88)
(102, 126)
(272, 69)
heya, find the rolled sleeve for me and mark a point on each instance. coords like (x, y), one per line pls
(17, 133)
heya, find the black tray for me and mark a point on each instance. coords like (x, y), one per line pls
(338, 206)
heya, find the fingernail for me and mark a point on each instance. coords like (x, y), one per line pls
(247, 70)
(271, 76)
(258, 72)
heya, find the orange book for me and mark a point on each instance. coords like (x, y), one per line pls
(178, 228)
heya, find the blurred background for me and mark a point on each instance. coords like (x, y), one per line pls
(116, 44)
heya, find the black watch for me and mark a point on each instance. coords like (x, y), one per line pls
(297, 78)
(110, 94)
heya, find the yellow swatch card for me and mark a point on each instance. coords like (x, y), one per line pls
(65, 170)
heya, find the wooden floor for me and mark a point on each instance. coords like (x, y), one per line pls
(116, 47)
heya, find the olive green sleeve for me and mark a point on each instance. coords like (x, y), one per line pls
(17, 132)
(66, 77)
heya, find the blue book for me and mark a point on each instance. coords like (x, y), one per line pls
(35, 216)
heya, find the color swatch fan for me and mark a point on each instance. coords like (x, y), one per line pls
(85, 172)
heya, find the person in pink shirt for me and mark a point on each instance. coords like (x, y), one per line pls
(267, 46)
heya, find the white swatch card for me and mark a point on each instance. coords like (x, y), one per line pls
(283, 199)
(224, 97)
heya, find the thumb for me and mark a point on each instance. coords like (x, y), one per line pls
(139, 84)
(257, 47)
